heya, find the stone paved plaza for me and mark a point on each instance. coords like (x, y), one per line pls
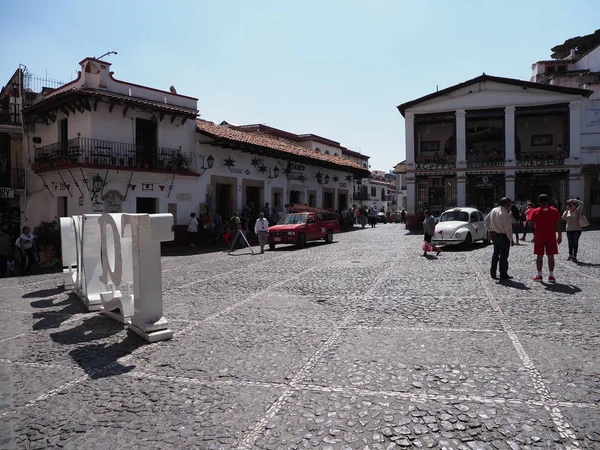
(359, 344)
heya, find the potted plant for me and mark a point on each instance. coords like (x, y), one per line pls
(182, 161)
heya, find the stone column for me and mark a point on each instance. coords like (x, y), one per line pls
(509, 186)
(411, 196)
(409, 130)
(461, 189)
(575, 185)
(509, 135)
(461, 138)
(575, 132)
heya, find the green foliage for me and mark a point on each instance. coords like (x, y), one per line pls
(48, 233)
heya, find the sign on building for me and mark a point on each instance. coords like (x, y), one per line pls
(593, 117)
(7, 192)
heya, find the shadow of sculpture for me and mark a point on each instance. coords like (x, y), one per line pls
(96, 346)
(54, 318)
(45, 292)
(579, 263)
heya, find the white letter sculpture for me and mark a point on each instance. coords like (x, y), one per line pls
(116, 251)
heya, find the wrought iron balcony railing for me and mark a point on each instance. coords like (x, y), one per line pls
(98, 152)
(14, 178)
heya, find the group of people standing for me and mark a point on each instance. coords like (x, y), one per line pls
(547, 225)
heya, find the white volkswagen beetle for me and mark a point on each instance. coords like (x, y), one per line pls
(460, 226)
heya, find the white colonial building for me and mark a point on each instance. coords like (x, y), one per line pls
(98, 144)
(475, 142)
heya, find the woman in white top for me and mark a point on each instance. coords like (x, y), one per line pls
(571, 216)
(27, 250)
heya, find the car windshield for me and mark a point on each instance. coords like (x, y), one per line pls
(459, 216)
(292, 219)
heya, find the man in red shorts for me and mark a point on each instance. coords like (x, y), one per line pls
(546, 222)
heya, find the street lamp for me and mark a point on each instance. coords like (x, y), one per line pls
(326, 179)
(97, 183)
(210, 162)
(274, 173)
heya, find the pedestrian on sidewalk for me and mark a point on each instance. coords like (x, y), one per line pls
(515, 219)
(428, 231)
(6, 253)
(528, 223)
(235, 228)
(192, 229)
(261, 228)
(499, 226)
(546, 221)
(571, 215)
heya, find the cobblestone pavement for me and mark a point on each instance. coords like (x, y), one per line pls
(358, 344)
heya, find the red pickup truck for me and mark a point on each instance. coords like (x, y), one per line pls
(301, 227)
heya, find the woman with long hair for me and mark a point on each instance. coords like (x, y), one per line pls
(571, 216)
(27, 250)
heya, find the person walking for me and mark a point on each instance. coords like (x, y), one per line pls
(6, 253)
(499, 226)
(571, 215)
(515, 220)
(428, 231)
(192, 229)
(546, 222)
(27, 250)
(261, 228)
(235, 227)
(528, 211)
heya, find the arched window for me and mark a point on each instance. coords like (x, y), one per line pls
(327, 152)
(365, 165)
(335, 154)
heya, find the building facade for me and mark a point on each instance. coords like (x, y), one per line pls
(472, 143)
(99, 144)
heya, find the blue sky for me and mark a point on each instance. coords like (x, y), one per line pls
(336, 68)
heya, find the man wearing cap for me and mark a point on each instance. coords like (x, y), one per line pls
(499, 226)
(261, 228)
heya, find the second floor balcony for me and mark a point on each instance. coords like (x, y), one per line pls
(110, 154)
(13, 178)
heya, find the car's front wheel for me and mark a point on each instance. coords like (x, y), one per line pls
(329, 237)
(272, 246)
(302, 240)
(486, 239)
(468, 240)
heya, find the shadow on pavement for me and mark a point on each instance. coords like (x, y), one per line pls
(44, 293)
(99, 359)
(579, 263)
(53, 319)
(514, 284)
(561, 288)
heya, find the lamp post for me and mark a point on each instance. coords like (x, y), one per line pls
(326, 179)
(97, 183)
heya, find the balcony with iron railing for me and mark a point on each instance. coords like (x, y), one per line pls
(13, 178)
(110, 155)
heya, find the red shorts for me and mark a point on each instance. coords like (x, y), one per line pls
(543, 245)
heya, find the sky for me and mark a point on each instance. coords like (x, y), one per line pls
(335, 68)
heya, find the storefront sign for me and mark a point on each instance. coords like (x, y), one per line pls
(184, 197)
(484, 164)
(540, 162)
(295, 171)
(435, 166)
(485, 182)
(7, 193)
(236, 171)
(113, 202)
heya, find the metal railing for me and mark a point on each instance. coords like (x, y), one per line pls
(14, 178)
(98, 152)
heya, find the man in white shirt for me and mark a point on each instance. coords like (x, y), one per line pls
(499, 226)
(192, 228)
(261, 228)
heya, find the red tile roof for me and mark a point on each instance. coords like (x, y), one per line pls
(97, 93)
(231, 137)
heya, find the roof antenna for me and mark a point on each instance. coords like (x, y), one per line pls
(106, 54)
(436, 88)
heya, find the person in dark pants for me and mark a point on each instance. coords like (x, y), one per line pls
(499, 225)
(6, 253)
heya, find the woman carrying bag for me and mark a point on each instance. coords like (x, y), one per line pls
(575, 219)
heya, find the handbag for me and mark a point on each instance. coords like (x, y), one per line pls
(583, 222)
